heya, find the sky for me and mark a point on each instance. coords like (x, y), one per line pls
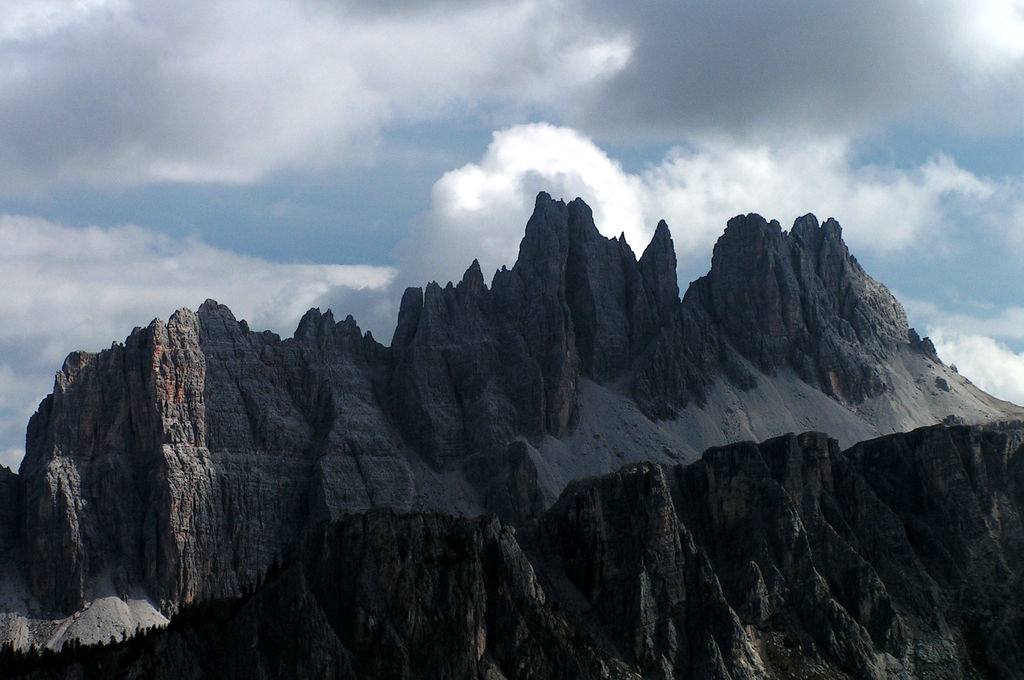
(277, 155)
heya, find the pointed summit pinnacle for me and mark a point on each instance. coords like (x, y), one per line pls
(658, 267)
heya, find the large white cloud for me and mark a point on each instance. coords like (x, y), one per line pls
(989, 364)
(119, 92)
(479, 210)
(69, 289)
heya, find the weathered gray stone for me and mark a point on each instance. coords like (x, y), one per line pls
(186, 459)
(897, 558)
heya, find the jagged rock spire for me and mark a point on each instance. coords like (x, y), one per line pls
(800, 300)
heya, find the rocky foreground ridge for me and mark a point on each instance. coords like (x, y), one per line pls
(901, 557)
(176, 466)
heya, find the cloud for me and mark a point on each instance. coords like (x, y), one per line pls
(122, 93)
(988, 363)
(810, 66)
(93, 283)
(980, 342)
(1003, 324)
(75, 289)
(883, 208)
(117, 93)
(479, 210)
(11, 458)
(19, 395)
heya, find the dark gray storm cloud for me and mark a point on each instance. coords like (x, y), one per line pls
(812, 66)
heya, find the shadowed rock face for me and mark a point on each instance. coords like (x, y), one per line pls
(113, 462)
(377, 596)
(475, 367)
(185, 459)
(10, 506)
(898, 558)
(800, 300)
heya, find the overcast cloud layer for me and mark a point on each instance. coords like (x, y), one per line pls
(818, 67)
(113, 92)
(692, 112)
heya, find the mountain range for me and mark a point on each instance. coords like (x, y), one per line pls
(587, 436)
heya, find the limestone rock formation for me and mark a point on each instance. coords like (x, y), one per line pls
(10, 506)
(183, 461)
(476, 367)
(374, 596)
(900, 557)
(114, 466)
(800, 300)
(897, 558)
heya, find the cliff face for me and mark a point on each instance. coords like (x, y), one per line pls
(112, 458)
(898, 558)
(376, 595)
(185, 459)
(800, 300)
(10, 507)
(474, 367)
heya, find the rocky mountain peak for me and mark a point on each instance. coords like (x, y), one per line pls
(313, 323)
(408, 317)
(808, 231)
(799, 300)
(473, 279)
(211, 309)
(546, 241)
(217, 321)
(183, 459)
(658, 267)
(615, 304)
(575, 304)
